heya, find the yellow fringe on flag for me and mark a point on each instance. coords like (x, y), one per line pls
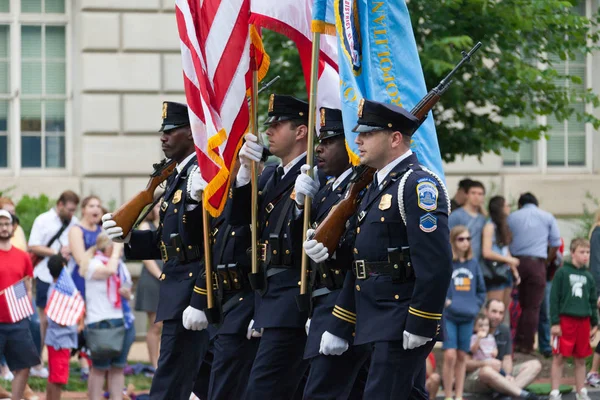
(256, 40)
(354, 158)
(323, 27)
(221, 178)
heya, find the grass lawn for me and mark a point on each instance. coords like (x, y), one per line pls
(75, 384)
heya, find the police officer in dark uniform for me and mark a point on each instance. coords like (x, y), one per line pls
(402, 255)
(279, 365)
(178, 241)
(331, 375)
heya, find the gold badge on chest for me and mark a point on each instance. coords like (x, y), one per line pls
(177, 196)
(386, 202)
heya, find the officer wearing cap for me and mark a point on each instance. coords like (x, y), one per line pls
(333, 369)
(178, 241)
(402, 255)
(279, 365)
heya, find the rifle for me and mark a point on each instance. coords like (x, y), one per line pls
(332, 228)
(127, 215)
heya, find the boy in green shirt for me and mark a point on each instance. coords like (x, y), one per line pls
(574, 317)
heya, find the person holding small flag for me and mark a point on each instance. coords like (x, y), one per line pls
(65, 311)
(16, 342)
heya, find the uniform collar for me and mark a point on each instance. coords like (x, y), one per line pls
(180, 166)
(291, 164)
(383, 172)
(341, 178)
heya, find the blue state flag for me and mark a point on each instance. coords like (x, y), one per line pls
(323, 17)
(378, 60)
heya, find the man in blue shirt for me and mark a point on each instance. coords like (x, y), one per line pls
(471, 216)
(535, 240)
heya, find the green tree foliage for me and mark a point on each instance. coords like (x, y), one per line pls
(511, 75)
(29, 207)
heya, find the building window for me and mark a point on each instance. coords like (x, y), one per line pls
(526, 156)
(38, 130)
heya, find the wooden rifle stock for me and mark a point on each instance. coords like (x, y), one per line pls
(332, 228)
(128, 213)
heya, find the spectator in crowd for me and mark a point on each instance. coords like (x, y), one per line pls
(460, 197)
(18, 240)
(574, 317)
(465, 297)
(593, 378)
(50, 235)
(499, 374)
(60, 340)
(534, 231)
(146, 297)
(82, 237)
(544, 345)
(16, 342)
(432, 378)
(105, 308)
(483, 344)
(495, 240)
(471, 215)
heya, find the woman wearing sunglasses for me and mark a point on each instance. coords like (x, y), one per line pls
(465, 297)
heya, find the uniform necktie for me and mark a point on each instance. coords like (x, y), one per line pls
(278, 175)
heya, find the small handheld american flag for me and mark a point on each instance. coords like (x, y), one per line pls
(15, 304)
(65, 305)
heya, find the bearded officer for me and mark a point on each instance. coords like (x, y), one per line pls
(178, 241)
(331, 375)
(402, 254)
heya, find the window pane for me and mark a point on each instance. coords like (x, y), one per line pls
(55, 6)
(576, 151)
(55, 42)
(55, 151)
(55, 116)
(31, 41)
(31, 116)
(4, 5)
(31, 6)
(4, 59)
(56, 78)
(31, 151)
(556, 150)
(3, 151)
(4, 40)
(31, 77)
(3, 116)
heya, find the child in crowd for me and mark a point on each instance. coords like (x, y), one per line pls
(483, 344)
(432, 378)
(59, 340)
(465, 297)
(574, 317)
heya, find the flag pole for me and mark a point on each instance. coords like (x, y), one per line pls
(213, 311)
(303, 299)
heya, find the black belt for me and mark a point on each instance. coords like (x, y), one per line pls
(400, 272)
(532, 258)
(184, 254)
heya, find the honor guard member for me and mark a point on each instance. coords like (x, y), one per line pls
(402, 255)
(279, 365)
(178, 241)
(332, 374)
(233, 351)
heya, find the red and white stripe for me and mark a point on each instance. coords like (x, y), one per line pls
(293, 18)
(19, 308)
(215, 50)
(65, 310)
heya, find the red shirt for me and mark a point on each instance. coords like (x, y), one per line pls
(15, 265)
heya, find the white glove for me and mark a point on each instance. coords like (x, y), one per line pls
(332, 345)
(307, 326)
(194, 319)
(114, 232)
(305, 186)
(253, 332)
(412, 341)
(250, 151)
(315, 250)
(198, 186)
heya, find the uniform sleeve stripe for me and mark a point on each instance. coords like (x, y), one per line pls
(346, 312)
(423, 316)
(343, 318)
(200, 290)
(424, 312)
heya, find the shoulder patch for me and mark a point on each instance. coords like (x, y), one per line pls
(428, 223)
(427, 194)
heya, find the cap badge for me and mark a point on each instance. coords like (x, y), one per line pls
(271, 101)
(322, 117)
(360, 108)
(164, 110)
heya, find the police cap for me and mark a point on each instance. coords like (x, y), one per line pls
(174, 115)
(285, 108)
(331, 123)
(376, 116)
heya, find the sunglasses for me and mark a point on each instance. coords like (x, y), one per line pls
(462, 239)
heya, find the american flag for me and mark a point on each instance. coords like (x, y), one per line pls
(215, 50)
(15, 304)
(66, 305)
